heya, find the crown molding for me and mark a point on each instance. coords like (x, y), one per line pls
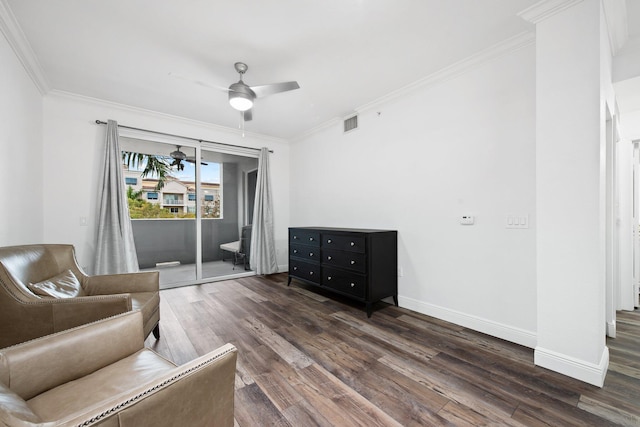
(505, 47)
(545, 9)
(324, 125)
(54, 93)
(615, 12)
(18, 41)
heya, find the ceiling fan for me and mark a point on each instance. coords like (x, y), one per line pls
(178, 157)
(242, 96)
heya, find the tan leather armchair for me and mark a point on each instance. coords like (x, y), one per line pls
(25, 315)
(100, 374)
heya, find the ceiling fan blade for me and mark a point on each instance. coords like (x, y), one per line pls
(192, 159)
(198, 82)
(248, 115)
(265, 90)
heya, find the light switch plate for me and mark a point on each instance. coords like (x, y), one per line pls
(517, 221)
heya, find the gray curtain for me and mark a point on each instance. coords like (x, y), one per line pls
(263, 249)
(115, 248)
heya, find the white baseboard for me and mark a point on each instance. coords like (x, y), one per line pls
(575, 368)
(611, 329)
(505, 332)
(283, 268)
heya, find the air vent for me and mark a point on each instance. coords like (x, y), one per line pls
(350, 123)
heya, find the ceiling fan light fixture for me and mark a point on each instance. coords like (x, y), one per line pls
(178, 155)
(240, 101)
(241, 96)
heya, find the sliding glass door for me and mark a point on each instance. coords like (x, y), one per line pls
(187, 202)
(224, 251)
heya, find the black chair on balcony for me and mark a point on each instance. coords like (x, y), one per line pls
(241, 249)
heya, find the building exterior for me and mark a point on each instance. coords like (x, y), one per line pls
(176, 196)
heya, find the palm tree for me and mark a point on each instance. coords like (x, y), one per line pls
(133, 194)
(153, 165)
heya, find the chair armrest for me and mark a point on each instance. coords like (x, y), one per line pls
(147, 281)
(71, 312)
(199, 393)
(35, 366)
(46, 316)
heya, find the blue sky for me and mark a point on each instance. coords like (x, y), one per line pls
(210, 172)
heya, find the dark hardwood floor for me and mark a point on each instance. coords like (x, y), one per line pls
(306, 358)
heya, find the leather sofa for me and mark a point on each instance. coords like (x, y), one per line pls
(100, 374)
(53, 269)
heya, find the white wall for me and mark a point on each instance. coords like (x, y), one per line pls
(630, 125)
(417, 164)
(21, 216)
(73, 147)
(626, 298)
(570, 114)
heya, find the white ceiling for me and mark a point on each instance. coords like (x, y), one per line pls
(343, 53)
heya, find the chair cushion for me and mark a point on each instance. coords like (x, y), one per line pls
(14, 409)
(64, 285)
(117, 378)
(231, 246)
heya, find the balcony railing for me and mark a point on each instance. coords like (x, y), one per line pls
(169, 240)
(173, 202)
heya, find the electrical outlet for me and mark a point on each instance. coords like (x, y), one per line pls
(467, 220)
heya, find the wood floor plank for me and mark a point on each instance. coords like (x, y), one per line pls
(253, 408)
(458, 390)
(282, 347)
(307, 358)
(172, 333)
(305, 414)
(463, 416)
(506, 389)
(603, 410)
(349, 406)
(416, 350)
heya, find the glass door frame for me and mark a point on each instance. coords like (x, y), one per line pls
(199, 147)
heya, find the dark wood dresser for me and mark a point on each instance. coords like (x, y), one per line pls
(360, 264)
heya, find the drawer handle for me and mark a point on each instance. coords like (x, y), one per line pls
(352, 262)
(295, 268)
(310, 253)
(295, 237)
(311, 239)
(353, 284)
(329, 278)
(353, 244)
(328, 240)
(311, 273)
(329, 258)
(295, 251)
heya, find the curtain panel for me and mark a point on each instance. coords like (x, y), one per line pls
(263, 250)
(115, 248)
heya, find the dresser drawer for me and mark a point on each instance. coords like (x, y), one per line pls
(350, 260)
(345, 243)
(345, 282)
(304, 237)
(311, 253)
(304, 270)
